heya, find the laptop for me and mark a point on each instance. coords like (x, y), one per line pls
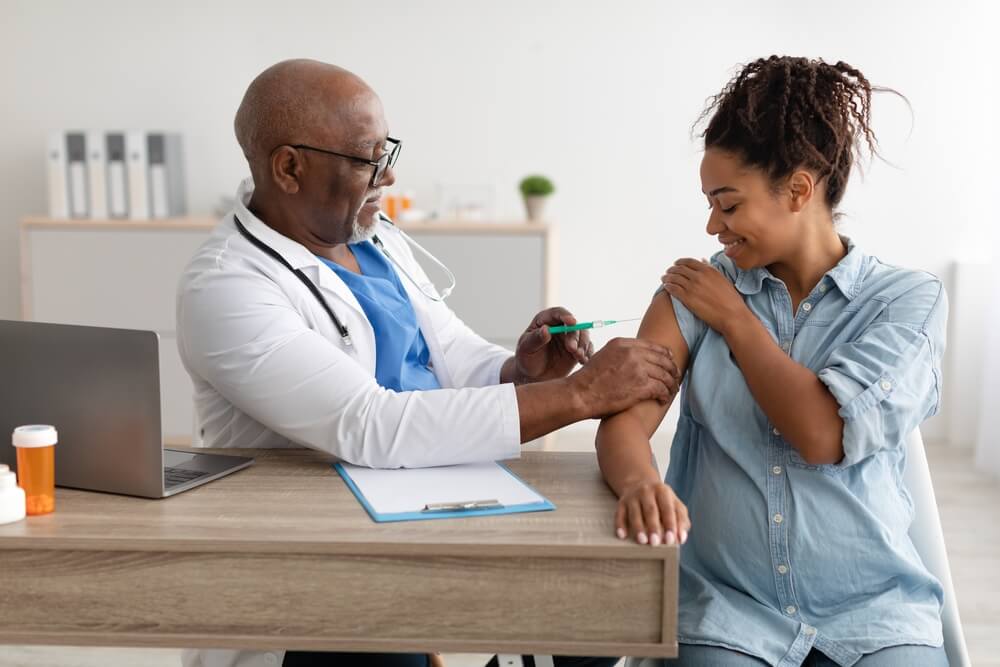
(100, 388)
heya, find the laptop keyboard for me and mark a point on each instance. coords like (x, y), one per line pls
(177, 476)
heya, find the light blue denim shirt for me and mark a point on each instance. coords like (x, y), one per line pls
(784, 556)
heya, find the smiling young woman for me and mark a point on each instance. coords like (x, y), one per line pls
(806, 363)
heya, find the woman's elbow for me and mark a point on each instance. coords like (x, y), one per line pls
(823, 449)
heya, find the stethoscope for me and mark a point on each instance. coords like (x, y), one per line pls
(341, 328)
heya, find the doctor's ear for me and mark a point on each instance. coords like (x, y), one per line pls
(286, 169)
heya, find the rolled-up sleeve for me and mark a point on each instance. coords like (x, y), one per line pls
(888, 379)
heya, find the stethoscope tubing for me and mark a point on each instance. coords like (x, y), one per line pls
(341, 327)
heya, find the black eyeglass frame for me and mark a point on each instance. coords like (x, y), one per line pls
(385, 161)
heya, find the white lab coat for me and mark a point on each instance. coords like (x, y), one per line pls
(270, 368)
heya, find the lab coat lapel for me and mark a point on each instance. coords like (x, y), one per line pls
(334, 290)
(338, 294)
(421, 305)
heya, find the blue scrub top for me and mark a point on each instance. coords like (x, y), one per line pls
(401, 353)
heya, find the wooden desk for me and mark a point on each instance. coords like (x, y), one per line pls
(282, 556)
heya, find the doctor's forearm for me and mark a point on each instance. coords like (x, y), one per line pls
(544, 407)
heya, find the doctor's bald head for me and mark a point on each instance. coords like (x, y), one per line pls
(300, 102)
(317, 142)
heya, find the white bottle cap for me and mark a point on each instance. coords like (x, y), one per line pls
(34, 435)
(12, 499)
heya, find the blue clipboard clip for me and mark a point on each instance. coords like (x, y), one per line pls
(491, 504)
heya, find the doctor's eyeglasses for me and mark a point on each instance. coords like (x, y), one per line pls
(384, 161)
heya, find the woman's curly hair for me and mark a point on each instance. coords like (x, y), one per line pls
(781, 114)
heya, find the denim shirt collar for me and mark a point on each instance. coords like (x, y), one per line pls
(847, 275)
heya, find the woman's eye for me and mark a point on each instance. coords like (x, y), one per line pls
(724, 210)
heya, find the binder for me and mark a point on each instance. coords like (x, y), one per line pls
(166, 175)
(409, 494)
(117, 178)
(58, 205)
(76, 175)
(97, 175)
(136, 175)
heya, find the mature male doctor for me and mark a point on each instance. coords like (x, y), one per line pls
(305, 319)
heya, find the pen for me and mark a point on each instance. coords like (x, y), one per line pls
(463, 506)
(596, 324)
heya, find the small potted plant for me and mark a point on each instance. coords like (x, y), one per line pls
(535, 190)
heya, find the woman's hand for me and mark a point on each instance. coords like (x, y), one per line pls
(650, 513)
(705, 292)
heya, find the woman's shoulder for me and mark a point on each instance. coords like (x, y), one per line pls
(912, 295)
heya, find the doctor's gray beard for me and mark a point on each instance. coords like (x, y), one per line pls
(361, 233)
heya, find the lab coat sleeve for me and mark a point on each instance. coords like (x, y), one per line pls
(239, 332)
(472, 361)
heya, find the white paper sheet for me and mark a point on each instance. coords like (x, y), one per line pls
(411, 489)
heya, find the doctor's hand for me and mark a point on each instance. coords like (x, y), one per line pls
(705, 292)
(542, 356)
(624, 372)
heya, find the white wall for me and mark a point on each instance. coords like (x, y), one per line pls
(598, 95)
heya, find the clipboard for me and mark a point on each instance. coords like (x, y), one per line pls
(447, 492)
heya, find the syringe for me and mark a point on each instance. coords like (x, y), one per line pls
(596, 324)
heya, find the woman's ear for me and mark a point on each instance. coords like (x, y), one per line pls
(801, 188)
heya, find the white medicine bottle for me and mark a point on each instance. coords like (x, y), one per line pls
(11, 496)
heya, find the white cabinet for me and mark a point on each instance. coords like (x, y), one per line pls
(124, 274)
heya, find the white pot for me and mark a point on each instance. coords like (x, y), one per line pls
(535, 205)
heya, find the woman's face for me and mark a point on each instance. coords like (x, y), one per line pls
(756, 225)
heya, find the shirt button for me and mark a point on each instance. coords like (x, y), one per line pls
(790, 609)
(782, 569)
(807, 306)
(778, 518)
(786, 346)
(822, 289)
(886, 385)
(776, 470)
(809, 631)
(775, 431)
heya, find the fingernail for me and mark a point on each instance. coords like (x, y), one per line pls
(654, 539)
(670, 537)
(641, 538)
(684, 536)
(621, 533)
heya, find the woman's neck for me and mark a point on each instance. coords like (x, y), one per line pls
(806, 266)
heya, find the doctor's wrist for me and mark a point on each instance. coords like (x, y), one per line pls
(511, 372)
(580, 395)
